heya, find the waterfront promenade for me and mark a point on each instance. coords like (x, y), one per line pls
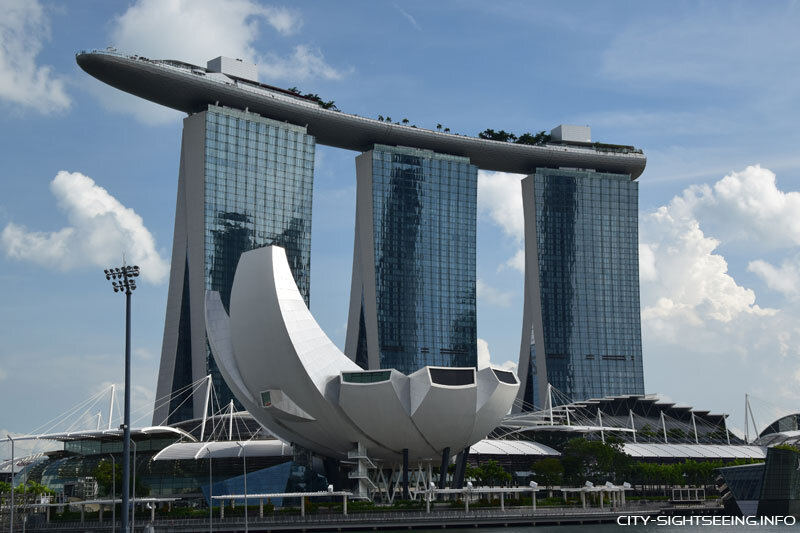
(378, 521)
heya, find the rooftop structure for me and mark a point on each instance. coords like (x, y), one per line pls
(632, 418)
(191, 88)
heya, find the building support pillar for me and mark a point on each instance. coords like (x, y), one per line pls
(405, 474)
(443, 469)
(461, 469)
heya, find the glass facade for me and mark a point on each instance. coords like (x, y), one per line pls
(258, 180)
(587, 238)
(424, 208)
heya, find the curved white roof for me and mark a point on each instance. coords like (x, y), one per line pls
(224, 449)
(104, 434)
(511, 447)
(694, 451)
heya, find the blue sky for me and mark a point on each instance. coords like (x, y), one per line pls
(709, 90)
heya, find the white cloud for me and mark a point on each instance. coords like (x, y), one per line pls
(485, 358)
(24, 27)
(695, 314)
(751, 195)
(517, 262)
(683, 278)
(784, 279)
(408, 17)
(197, 30)
(101, 229)
(168, 29)
(305, 63)
(492, 295)
(500, 198)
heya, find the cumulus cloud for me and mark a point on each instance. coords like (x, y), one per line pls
(169, 29)
(101, 229)
(682, 275)
(695, 314)
(485, 358)
(24, 27)
(492, 296)
(784, 279)
(306, 62)
(752, 196)
(500, 199)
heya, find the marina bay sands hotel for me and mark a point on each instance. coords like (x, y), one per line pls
(246, 180)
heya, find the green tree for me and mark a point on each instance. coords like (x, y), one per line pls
(490, 473)
(538, 139)
(594, 461)
(548, 472)
(405, 121)
(102, 473)
(501, 135)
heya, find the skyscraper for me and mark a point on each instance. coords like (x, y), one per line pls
(581, 323)
(412, 300)
(245, 181)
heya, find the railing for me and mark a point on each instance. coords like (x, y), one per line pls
(421, 517)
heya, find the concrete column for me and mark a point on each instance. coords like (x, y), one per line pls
(152, 512)
(222, 509)
(600, 494)
(502, 501)
(583, 499)
(443, 470)
(533, 499)
(623, 497)
(48, 513)
(466, 502)
(344, 504)
(261, 507)
(302, 506)
(83, 511)
(101, 512)
(405, 474)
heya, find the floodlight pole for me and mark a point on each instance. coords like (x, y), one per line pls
(124, 283)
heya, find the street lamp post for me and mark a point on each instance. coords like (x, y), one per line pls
(244, 469)
(124, 282)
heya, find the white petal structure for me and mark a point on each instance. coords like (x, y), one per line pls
(290, 376)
